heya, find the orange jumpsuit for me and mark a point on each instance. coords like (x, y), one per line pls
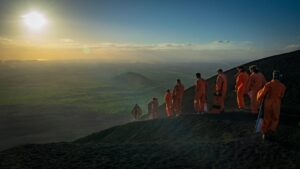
(255, 83)
(177, 98)
(274, 91)
(200, 95)
(241, 86)
(168, 100)
(221, 87)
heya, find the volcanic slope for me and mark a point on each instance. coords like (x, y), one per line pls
(191, 141)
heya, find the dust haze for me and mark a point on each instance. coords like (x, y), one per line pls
(50, 101)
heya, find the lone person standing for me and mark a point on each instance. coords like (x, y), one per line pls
(200, 94)
(178, 92)
(273, 92)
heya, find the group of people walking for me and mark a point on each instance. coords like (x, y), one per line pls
(253, 85)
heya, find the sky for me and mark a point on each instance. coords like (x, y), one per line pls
(152, 30)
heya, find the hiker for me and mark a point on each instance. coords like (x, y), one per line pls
(220, 93)
(168, 100)
(154, 108)
(200, 94)
(255, 83)
(178, 92)
(241, 86)
(136, 112)
(273, 92)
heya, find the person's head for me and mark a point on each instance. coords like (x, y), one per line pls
(178, 81)
(168, 91)
(220, 71)
(276, 75)
(198, 75)
(253, 68)
(241, 68)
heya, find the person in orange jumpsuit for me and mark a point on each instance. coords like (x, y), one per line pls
(178, 92)
(168, 100)
(273, 92)
(255, 83)
(241, 86)
(200, 94)
(136, 112)
(154, 108)
(221, 90)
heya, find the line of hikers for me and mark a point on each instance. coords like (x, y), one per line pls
(253, 86)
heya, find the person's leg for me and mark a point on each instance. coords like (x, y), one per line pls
(217, 107)
(201, 104)
(267, 119)
(180, 105)
(254, 103)
(175, 105)
(275, 116)
(222, 103)
(169, 110)
(196, 105)
(240, 99)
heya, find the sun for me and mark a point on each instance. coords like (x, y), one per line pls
(34, 20)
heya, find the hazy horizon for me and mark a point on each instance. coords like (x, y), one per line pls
(147, 31)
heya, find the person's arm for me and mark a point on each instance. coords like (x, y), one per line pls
(219, 84)
(174, 92)
(238, 81)
(262, 92)
(249, 84)
(133, 111)
(196, 90)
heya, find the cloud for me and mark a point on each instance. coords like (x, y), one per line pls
(224, 41)
(66, 40)
(293, 47)
(67, 48)
(215, 45)
(5, 41)
(71, 43)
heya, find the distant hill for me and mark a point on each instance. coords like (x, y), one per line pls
(208, 141)
(288, 64)
(132, 79)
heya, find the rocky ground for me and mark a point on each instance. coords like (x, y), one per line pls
(193, 141)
